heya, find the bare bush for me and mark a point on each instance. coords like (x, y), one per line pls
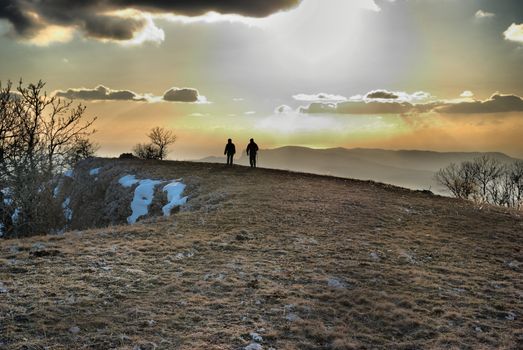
(38, 134)
(146, 151)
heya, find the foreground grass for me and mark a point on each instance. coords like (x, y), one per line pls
(307, 262)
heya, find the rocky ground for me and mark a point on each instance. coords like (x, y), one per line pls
(262, 259)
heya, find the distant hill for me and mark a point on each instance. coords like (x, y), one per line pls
(407, 168)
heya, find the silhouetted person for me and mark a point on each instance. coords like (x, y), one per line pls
(230, 150)
(252, 150)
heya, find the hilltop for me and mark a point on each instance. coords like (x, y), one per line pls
(276, 258)
(413, 169)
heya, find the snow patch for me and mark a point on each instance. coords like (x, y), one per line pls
(56, 190)
(144, 193)
(7, 196)
(174, 196)
(69, 173)
(68, 212)
(143, 196)
(94, 171)
(253, 346)
(128, 180)
(14, 217)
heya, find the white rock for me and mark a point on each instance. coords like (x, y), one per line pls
(291, 317)
(74, 330)
(253, 346)
(256, 337)
(335, 283)
(374, 256)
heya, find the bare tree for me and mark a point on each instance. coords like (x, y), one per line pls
(486, 171)
(515, 173)
(485, 179)
(162, 138)
(157, 148)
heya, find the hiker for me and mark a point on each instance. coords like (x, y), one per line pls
(230, 150)
(252, 149)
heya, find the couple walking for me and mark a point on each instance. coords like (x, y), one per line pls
(252, 150)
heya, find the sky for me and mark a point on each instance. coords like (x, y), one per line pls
(443, 75)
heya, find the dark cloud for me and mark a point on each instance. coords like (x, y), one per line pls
(359, 107)
(497, 103)
(100, 93)
(92, 18)
(384, 94)
(181, 95)
(14, 12)
(250, 8)
(115, 28)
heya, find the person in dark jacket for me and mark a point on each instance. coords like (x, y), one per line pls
(252, 150)
(230, 150)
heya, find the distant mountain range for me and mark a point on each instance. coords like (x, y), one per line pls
(406, 168)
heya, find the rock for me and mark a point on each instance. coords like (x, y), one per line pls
(256, 337)
(335, 283)
(291, 317)
(510, 316)
(478, 329)
(74, 330)
(38, 246)
(253, 283)
(253, 346)
(374, 256)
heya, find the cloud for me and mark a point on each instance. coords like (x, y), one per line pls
(374, 102)
(120, 20)
(283, 109)
(514, 33)
(480, 14)
(382, 94)
(358, 107)
(320, 97)
(497, 103)
(100, 93)
(181, 95)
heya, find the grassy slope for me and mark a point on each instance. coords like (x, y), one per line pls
(256, 252)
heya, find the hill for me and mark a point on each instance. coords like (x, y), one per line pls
(280, 259)
(408, 168)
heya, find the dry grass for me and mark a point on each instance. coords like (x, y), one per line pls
(307, 262)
